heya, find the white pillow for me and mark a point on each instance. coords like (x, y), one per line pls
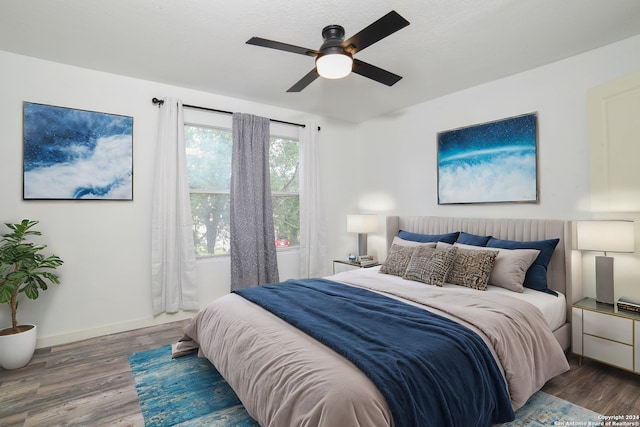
(510, 267)
(402, 242)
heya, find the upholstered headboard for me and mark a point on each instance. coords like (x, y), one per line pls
(562, 267)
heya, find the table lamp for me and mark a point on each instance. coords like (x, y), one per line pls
(362, 224)
(605, 236)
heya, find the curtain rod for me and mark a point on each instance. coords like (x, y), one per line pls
(161, 101)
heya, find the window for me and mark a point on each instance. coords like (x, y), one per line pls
(208, 152)
(285, 196)
(209, 175)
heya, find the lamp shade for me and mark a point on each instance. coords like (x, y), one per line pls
(364, 223)
(605, 236)
(334, 65)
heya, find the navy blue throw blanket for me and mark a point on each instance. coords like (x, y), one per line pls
(431, 370)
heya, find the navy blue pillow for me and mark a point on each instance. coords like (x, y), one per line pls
(425, 238)
(536, 277)
(473, 239)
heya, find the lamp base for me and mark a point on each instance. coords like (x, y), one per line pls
(362, 244)
(604, 279)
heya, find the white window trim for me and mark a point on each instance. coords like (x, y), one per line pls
(223, 122)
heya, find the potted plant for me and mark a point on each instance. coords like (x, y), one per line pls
(23, 269)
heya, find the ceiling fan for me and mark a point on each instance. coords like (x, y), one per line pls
(335, 60)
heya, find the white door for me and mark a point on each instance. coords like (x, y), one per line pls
(614, 138)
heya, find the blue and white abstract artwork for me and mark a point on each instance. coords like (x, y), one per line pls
(489, 163)
(76, 154)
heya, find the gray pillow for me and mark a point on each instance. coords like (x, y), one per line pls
(402, 242)
(510, 267)
(472, 268)
(397, 260)
(429, 265)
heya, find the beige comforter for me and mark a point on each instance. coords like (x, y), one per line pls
(286, 378)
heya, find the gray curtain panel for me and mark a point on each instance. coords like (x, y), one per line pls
(253, 248)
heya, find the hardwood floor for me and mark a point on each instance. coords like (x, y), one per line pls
(601, 388)
(89, 383)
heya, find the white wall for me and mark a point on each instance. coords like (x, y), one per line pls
(105, 244)
(401, 149)
(386, 165)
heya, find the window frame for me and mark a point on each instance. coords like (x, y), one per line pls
(197, 118)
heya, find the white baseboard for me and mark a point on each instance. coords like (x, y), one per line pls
(111, 329)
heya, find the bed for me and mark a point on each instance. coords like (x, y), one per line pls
(286, 375)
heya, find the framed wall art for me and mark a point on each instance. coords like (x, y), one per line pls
(74, 154)
(492, 162)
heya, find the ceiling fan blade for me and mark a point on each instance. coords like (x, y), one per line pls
(383, 27)
(374, 73)
(304, 82)
(258, 41)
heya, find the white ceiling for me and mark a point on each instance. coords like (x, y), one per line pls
(200, 44)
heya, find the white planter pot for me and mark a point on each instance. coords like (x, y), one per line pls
(16, 350)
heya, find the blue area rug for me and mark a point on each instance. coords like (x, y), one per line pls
(189, 391)
(545, 410)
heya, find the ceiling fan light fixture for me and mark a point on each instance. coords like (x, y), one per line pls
(334, 59)
(334, 65)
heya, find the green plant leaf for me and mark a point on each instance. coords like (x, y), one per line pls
(31, 291)
(6, 292)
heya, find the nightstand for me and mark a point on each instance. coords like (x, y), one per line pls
(602, 332)
(340, 265)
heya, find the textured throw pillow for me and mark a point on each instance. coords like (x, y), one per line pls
(472, 268)
(536, 277)
(401, 242)
(397, 260)
(417, 237)
(510, 267)
(429, 265)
